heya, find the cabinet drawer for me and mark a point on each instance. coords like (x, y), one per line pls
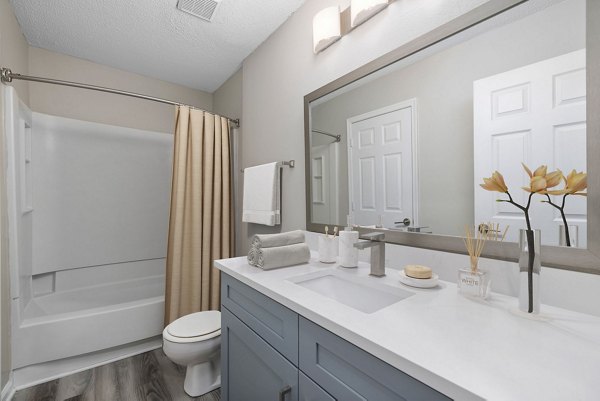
(308, 390)
(275, 323)
(251, 369)
(351, 374)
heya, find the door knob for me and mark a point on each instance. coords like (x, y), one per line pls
(405, 222)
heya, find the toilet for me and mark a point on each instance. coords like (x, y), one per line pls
(194, 341)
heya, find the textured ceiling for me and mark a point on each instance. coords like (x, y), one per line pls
(153, 37)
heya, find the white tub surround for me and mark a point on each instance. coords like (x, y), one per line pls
(465, 349)
(87, 222)
(8, 391)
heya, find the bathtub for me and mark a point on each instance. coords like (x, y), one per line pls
(87, 230)
(87, 319)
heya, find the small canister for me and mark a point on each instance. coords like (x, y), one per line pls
(328, 247)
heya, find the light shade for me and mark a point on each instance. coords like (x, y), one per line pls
(362, 10)
(326, 28)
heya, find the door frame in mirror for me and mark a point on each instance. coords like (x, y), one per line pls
(575, 259)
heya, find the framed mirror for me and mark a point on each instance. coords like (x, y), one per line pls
(403, 143)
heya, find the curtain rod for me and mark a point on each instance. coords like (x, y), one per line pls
(6, 76)
(338, 138)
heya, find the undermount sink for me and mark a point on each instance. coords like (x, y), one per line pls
(359, 293)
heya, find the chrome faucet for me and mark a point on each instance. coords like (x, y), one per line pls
(375, 241)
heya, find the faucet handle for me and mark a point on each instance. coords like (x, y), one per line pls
(376, 236)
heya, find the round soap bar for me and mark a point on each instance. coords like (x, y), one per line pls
(416, 271)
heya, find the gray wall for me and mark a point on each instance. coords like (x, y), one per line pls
(227, 101)
(13, 54)
(13, 48)
(283, 69)
(104, 107)
(443, 87)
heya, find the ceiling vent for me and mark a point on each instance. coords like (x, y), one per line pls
(204, 9)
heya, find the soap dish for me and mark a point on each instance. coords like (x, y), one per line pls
(419, 282)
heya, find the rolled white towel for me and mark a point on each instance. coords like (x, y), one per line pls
(253, 255)
(282, 256)
(273, 240)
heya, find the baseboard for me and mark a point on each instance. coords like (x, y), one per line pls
(9, 389)
(43, 372)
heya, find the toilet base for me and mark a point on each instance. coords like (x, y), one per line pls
(202, 378)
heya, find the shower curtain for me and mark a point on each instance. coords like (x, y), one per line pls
(200, 224)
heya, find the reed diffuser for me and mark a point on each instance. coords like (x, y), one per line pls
(475, 242)
(473, 281)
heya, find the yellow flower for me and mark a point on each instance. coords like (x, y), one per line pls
(574, 183)
(495, 183)
(536, 184)
(539, 172)
(554, 178)
(540, 180)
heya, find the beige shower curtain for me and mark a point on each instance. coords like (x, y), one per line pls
(200, 224)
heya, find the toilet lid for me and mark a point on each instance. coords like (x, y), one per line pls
(195, 324)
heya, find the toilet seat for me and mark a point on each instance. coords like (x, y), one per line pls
(195, 327)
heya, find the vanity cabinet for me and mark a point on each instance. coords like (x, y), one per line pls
(269, 352)
(350, 374)
(273, 322)
(251, 368)
(308, 390)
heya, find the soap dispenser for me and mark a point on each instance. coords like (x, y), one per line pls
(348, 253)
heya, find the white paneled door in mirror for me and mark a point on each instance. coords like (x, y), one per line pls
(381, 172)
(535, 115)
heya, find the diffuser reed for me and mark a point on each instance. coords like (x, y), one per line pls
(475, 282)
(475, 240)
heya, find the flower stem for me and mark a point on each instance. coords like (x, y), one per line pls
(530, 246)
(531, 249)
(525, 209)
(564, 217)
(531, 260)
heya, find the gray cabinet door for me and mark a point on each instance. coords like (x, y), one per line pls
(310, 391)
(251, 370)
(273, 322)
(350, 374)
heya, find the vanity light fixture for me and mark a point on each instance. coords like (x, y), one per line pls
(326, 28)
(362, 10)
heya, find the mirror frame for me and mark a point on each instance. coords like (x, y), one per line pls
(574, 259)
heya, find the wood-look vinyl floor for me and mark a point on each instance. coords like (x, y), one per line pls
(146, 377)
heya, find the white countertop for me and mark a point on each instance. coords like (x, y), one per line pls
(466, 349)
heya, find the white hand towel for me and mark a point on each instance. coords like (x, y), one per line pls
(282, 256)
(272, 240)
(261, 195)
